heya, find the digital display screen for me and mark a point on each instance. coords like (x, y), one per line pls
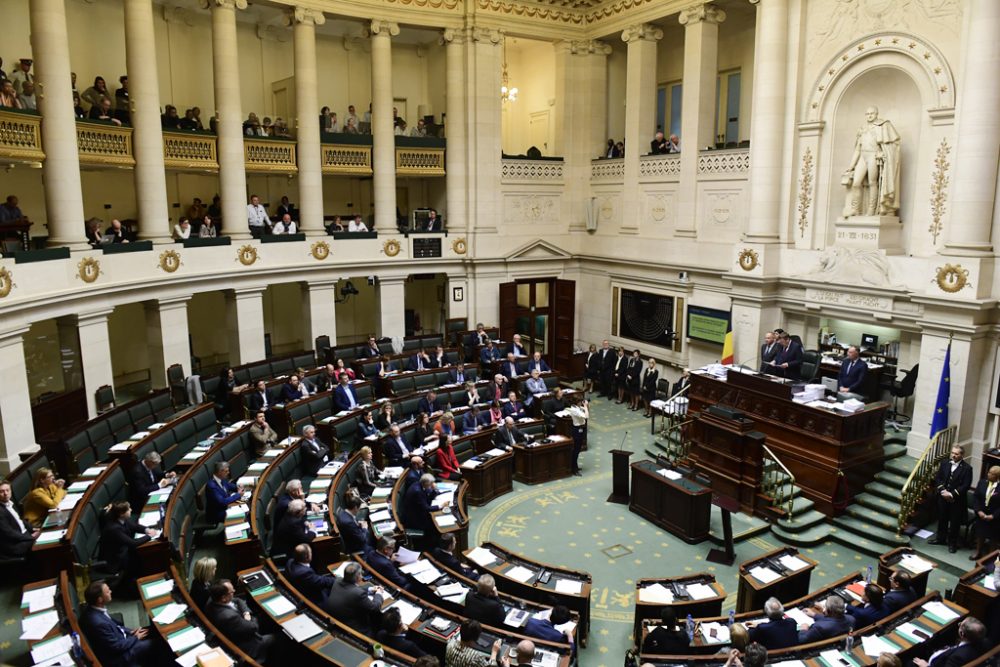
(707, 324)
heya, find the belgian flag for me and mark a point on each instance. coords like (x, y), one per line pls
(727, 345)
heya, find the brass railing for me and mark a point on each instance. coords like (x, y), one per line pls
(923, 473)
(677, 440)
(777, 482)
(189, 150)
(419, 161)
(104, 145)
(347, 159)
(20, 137)
(273, 156)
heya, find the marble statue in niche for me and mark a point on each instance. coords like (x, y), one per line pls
(872, 179)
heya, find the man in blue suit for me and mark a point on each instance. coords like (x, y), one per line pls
(220, 493)
(301, 574)
(831, 624)
(537, 363)
(394, 447)
(852, 372)
(417, 505)
(113, 643)
(788, 362)
(778, 631)
(428, 403)
(353, 533)
(546, 629)
(421, 361)
(470, 422)
(381, 560)
(509, 368)
(971, 637)
(458, 374)
(344, 396)
(901, 591)
(873, 610)
(488, 354)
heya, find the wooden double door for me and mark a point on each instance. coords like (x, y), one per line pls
(543, 311)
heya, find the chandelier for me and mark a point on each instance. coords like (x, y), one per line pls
(507, 92)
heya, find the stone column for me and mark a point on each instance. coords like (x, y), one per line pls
(701, 42)
(392, 304)
(319, 312)
(304, 22)
(147, 135)
(245, 320)
(61, 169)
(95, 353)
(167, 337)
(455, 127)
(17, 433)
(383, 139)
(767, 126)
(483, 131)
(226, 70)
(640, 113)
(978, 144)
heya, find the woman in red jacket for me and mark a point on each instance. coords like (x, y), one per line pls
(447, 462)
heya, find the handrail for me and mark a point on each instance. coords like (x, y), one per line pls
(923, 471)
(774, 483)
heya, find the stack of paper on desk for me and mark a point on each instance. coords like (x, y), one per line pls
(481, 556)
(700, 591)
(764, 574)
(656, 594)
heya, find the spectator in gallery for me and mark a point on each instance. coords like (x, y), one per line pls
(196, 211)
(93, 230)
(268, 127)
(674, 145)
(215, 208)
(350, 127)
(72, 80)
(170, 120)
(286, 207)
(207, 229)
(102, 111)
(3, 74)
(284, 226)
(121, 95)
(357, 225)
(335, 226)
(658, 146)
(21, 74)
(420, 129)
(400, 128)
(117, 232)
(27, 96)
(620, 148)
(8, 96)
(78, 108)
(188, 122)
(10, 211)
(352, 116)
(93, 95)
(182, 230)
(257, 218)
(433, 221)
(280, 128)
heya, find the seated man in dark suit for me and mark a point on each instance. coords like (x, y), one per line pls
(231, 617)
(421, 361)
(546, 628)
(428, 403)
(414, 472)
(510, 368)
(293, 390)
(971, 637)
(16, 536)
(293, 529)
(395, 449)
(382, 560)
(112, 643)
(488, 355)
(483, 604)
(445, 554)
(513, 407)
(778, 631)
(393, 634)
(438, 357)
(314, 453)
(873, 610)
(371, 350)
(471, 421)
(550, 406)
(344, 396)
(300, 573)
(353, 533)
(259, 400)
(458, 375)
(293, 491)
(349, 603)
(145, 477)
(852, 372)
(220, 493)
(118, 542)
(508, 434)
(826, 625)
(901, 591)
(537, 363)
(667, 638)
(418, 505)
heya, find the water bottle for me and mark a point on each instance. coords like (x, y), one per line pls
(868, 574)
(849, 642)
(163, 514)
(996, 573)
(76, 650)
(732, 617)
(689, 625)
(378, 651)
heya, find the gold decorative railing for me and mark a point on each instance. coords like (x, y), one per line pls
(20, 137)
(419, 161)
(104, 145)
(188, 150)
(777, 482)
(677, 440)
(347, 159)
(922, 475)
(272, 156)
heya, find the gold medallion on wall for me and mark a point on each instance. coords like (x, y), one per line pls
(88, 269)
(952, 278)
(320, 250)
(170, 260)
(246, 255)
(391, 248)
(748, 259)
(6, 282)
(460, 246)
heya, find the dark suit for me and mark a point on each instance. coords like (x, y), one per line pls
(510, 370)
(486, 610)
(454, 376)
(342, 397)
(235, 627)
(518, 350)
(868, 614)
(417, 508)
(371, 352)
(502, 438)
(290, 393)
(418, 363)
(218, 498)
(314, 455)
(256, 402)
(540, 365)
(989, 530)
(470, 422)
(767, 355)
(824, 627)
(486, 355)
(543, 630)
(956, 656)
(792, 355)
(608, 359)
(291, 532)
(114, 644)
(895, 600)
(665, 642)
(118, 545)
(354, 537)
(280, 508)
(310, 583)
(395, 450)
(424, 405)
(386, 568)
(775, 634)
(400, 642)
(350, 604)
(199, 593)
(513, 409)
(141, 482)
(852, 375)
(452, 562)
(14, 542)
(952, 514)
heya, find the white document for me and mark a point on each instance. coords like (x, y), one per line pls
(670, 474)
(481, 556)
(916, 564)
(909, 630)
(496, 452)
(237, 510)
(941, 610)
(407, 612)
(79, 487)
(149, 519)
(120, 447)
(93, 471)
(301, 627)
(279, 605)
(39, 598)
(140, 435)
(190, 659)
(715, 633)
(988, 583)
(170, 613)
(381, 515)
(458, 598)
(472, 463)
(428, 575)
(185, 639)
(50, 536)
(440, 499)
(69, 501)
(656, 594)
(235, 532)
(257, 467)
(519, 573)
(800, 617)
(788, 663)
(37, 626)
(382, 492)
(569, 586)
(834, 657)
(793, 563)
(159, 588)
(764, 574)
(64, 660)
(416, 567)
(445, 520)
(50, 649)
(449, 590)
(701, 591)
(405, 556)
(874, 645)
(318, 498)
(320, 483)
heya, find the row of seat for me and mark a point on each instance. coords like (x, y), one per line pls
(360, 350)
(408, 383)
(260, 370)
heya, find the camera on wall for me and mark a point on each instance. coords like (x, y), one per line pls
(682, 276)
(670, 335)
(371, 281)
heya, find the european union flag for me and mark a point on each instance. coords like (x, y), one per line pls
(940, 420)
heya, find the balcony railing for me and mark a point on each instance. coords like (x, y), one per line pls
(104, 144)
(20, 137)
(660, 167)
(190, 151)
(271, 156)
(419, 156)
(729, 162)
(515, 170)
(611, 170)
(347, 159)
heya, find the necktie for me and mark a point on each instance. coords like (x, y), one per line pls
(151, 477)
(850, 367)
(510, 437)
(990, 488)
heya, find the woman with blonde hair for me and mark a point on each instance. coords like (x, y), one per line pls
(45, 495)
(368, 473)
(204, 574)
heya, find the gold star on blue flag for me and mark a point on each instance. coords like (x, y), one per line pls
(940, 421)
